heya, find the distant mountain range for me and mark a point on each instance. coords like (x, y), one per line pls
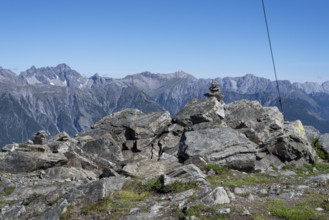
(60, 99)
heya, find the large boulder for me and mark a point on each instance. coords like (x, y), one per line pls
(20, 161)
(119, 136)
(104, 147)
(258, 123)
(223, 146)
(103, 188)
(291, 144)
(149, 168)
(132, 124)
(199, 111)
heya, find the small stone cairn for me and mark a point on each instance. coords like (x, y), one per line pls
(40, 137)
(214, 91)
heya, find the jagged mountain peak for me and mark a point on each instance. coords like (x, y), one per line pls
(61, 75)
(63, 67)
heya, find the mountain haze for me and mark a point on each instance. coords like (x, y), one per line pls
(61, 99)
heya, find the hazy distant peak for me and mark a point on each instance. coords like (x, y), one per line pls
(9, 76)
(182, 74)
(63, 67)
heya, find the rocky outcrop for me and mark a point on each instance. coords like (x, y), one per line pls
(130, 159)
(199, 111)
(256, 122)
(265, 126)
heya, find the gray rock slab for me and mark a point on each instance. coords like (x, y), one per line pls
(324, 142)
(198, 111)
(19, 161)
(223, 146)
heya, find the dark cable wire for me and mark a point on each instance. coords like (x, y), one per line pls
(269, 41)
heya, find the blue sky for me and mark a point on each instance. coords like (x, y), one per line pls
(206, 38)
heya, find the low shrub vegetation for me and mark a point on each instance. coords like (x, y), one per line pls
(301, 211)
(31, 198)
(219, 170)
(9, 190)
(67, 214)
(129, 195)
(320, 152)
(203, 212)
(251, 179)
(155, 186)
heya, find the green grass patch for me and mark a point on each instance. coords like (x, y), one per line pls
(302, 211)
(3, 155)
(155, 186)
(31, 198)
(203, 212)
(237, 181)
(121, 203)
(9, 190)
(66, 215)
(308, 169)
(3, 202)
(101, 206)
(117, 207)
(129, 195)
(219, 170)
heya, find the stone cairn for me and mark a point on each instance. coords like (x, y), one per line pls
(40, 137)
(214, 91)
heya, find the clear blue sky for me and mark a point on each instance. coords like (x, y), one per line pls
(206, 38)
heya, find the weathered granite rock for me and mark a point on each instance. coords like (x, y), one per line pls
(69, 173)
(149, 168)
(186, 173)
(12, 212)
(108, 172)
(75, 159)
(217, 196)
(324, 142)
(54, 212)
(198, 111)
(104, 147)
(311, 133)
(223, 146)
(19, 161)
(291, 145)
(257, 122)
(9, 147)
(26, 148)
(103, 188)
(132, 124)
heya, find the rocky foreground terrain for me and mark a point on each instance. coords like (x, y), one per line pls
(209, 161)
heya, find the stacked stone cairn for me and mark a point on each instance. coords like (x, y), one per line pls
(214, 91)
(40, 137)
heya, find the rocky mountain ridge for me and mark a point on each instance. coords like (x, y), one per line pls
(211, 160)
(60, 99)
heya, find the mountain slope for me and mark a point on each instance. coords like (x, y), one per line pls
(60, 99)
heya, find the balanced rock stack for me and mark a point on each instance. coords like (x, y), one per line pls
(40, 137)
(214, 91)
